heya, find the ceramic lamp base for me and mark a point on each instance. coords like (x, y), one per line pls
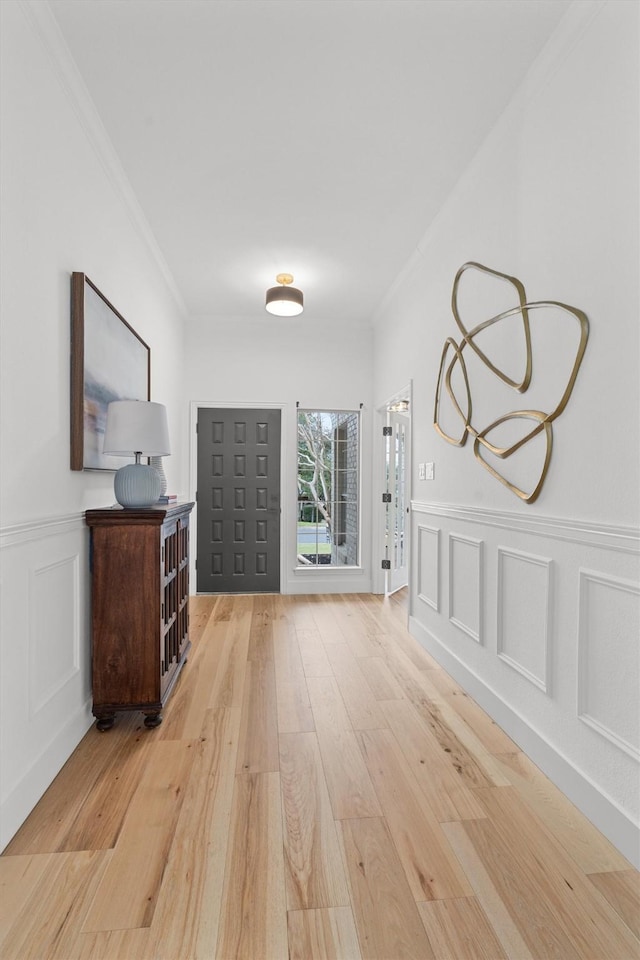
(137, 485)
(158, 466)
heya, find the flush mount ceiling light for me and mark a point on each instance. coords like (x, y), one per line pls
(284, 301)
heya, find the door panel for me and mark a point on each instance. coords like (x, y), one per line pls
(397, 528)
(238, 501)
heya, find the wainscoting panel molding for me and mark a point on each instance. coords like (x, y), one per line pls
(525, 614)
(554, 607)
(54, 601)
(611, 819)
(45, 685)
(608, 536)
(465, 584)
(429, 565)
(609, 658)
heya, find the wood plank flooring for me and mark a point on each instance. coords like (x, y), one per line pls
(319, 788)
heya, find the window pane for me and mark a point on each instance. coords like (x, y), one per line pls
(328, 487)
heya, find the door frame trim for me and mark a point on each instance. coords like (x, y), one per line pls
(194, 406)
(379, 576)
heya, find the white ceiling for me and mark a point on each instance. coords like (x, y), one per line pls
(316, 137)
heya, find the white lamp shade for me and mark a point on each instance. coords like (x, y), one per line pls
(136, 426)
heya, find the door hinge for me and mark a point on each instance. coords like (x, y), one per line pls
(386, 498)
(387, 431)
(386, 564)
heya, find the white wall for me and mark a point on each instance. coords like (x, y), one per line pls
(552, 198)
(275, 360)
(534, 607)
(64, 208)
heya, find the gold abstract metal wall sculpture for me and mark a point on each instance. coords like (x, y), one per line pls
(449, 342)
(520, 309)
(463, 409)
(543, 424)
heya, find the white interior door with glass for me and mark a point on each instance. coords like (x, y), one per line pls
(397, 497)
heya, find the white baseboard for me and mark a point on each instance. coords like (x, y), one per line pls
(328, 581)
(601, 810)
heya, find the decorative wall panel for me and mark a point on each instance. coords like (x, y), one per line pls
(609, 658)
(524, 614)
(45, 685)
(53, 610)
(558, 668)
(465, 584)
(429, 565)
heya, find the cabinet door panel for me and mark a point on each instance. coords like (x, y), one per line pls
(125, 614)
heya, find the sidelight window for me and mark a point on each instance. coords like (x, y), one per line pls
(328, 487)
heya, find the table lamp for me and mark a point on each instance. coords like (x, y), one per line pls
(136, 427)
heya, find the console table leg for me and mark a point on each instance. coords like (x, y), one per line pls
(105, 723)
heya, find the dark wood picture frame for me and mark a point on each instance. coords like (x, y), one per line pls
(109, 361)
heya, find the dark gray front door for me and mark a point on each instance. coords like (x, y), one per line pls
(238, 501)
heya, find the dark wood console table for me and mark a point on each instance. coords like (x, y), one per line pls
(139, 608)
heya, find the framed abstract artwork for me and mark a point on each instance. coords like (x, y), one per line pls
(109, 361)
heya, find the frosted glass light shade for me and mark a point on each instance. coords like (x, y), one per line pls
(136, 426)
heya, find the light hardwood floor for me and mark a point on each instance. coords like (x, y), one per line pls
(319, 788)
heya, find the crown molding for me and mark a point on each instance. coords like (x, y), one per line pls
(41, 19)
